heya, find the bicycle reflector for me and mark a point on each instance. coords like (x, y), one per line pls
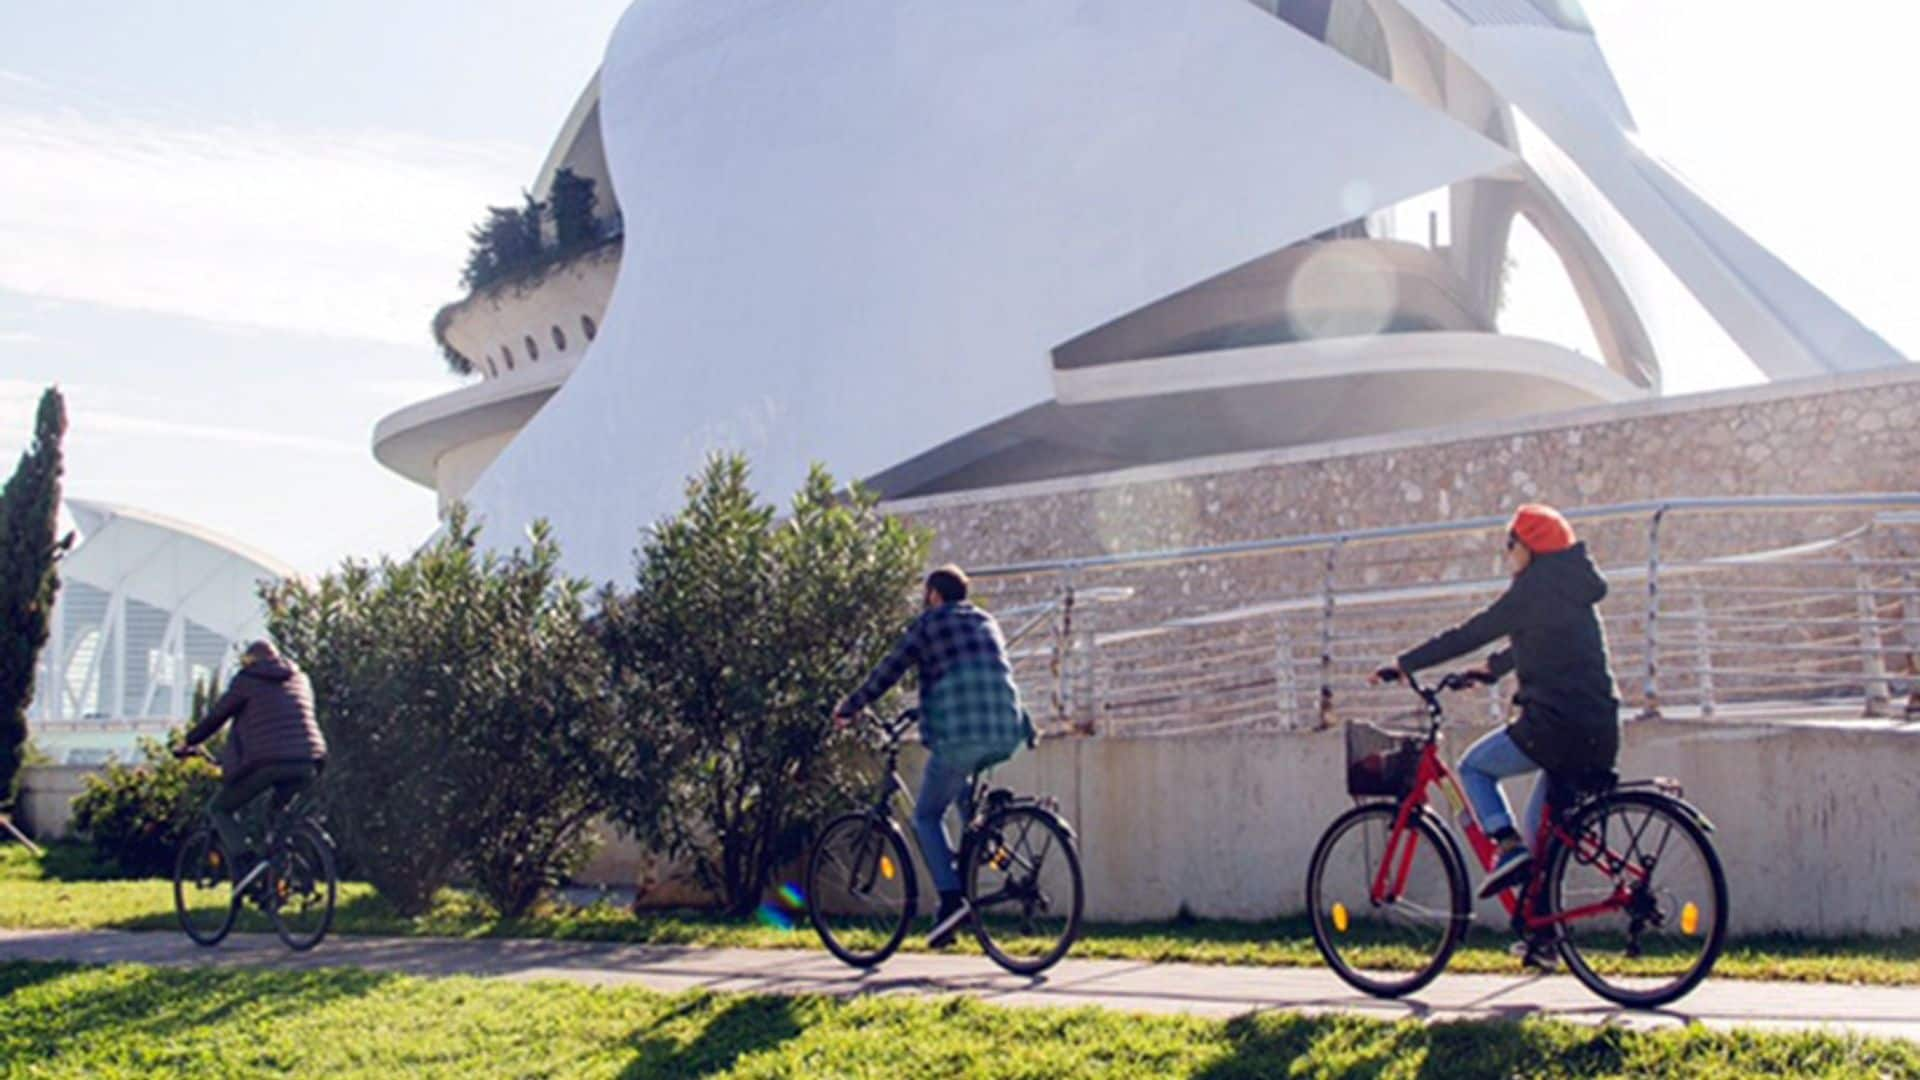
(1690, 919)
(1340, 916)
(886, 867)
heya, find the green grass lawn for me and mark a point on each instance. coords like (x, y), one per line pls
(128, 1021)
(61, 891)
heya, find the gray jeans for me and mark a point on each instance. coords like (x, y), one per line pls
(285, 778)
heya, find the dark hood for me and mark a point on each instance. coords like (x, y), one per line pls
(1568, 576)
(273, 669)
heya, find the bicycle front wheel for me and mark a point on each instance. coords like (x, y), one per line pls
(861, 891)
(203, 888)
(1024, 883)
(1387, 910)
(301, 887)
(1641, 899)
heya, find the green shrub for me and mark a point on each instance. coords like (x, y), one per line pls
(465, 708)
(741, 634)
(135, 816)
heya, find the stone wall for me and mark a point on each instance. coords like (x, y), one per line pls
(1833, 434)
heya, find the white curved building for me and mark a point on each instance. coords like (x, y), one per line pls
(942, 246)
(148, 607)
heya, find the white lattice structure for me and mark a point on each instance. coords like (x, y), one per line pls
(148, 606)
(942, 246)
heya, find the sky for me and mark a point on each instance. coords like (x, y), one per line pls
(225, 226)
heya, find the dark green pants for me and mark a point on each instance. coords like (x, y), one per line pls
(285, 778)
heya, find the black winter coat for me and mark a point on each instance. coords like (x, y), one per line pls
(271, 705)
(1569, 713)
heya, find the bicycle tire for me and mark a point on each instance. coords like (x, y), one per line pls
(187, 866)
(1682, 818)
(282, 887)
(1428, 828)
(821, 890)
(978, 855)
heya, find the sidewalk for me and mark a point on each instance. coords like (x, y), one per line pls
(1114, 984)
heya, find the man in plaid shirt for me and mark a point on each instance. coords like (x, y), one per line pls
(970, 718)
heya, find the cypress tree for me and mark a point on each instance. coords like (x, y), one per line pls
(29, 549)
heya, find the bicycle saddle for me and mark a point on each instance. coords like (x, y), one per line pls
(1577, 787)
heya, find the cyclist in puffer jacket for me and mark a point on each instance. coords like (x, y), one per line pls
(970, 718)
(275, 743)
(1569, 719)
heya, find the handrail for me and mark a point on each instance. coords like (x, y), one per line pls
(1384, 534)
(1862, 579)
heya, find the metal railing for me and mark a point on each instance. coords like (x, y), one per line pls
(1718, 606)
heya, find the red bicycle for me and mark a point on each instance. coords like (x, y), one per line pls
(1626, 885)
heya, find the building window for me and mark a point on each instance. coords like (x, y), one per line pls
(533, 348)
(559, 340)
(587, 327)
(506, 353)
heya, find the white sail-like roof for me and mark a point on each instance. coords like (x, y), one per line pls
(856, 230)
(147, 603)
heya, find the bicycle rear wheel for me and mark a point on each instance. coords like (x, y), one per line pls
(301, 888)
(861, 890)
(1657, 895)
(1398, 944)
(203, 888)
(1024, 883)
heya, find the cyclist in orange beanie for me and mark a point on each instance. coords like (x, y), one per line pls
(1569, 720)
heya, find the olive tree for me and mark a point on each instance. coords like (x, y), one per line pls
(463, 701)
(741, 632)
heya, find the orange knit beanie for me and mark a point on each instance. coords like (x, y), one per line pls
(1541, 529)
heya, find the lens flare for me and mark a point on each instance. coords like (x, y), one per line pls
(773, 918)
(1690, 919)
(793, 897)
(886, 867)
(1340, 917)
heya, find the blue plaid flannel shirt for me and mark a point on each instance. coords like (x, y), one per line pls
(967, 693)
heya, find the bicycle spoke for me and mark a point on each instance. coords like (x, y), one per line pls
(1396, 944)
(1633, 939)
(1024, 883)
(858, 894)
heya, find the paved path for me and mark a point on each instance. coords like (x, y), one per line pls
(1116, 984)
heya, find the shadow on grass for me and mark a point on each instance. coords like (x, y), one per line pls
(64, 862)
(1269, 1045)
(159, 1003)
(728, 1030)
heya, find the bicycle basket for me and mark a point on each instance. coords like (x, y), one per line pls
(1379, 761)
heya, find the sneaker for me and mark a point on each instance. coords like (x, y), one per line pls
(1511, 870)
(1536, 954)
(954, 913)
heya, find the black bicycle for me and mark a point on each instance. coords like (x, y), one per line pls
(295, 883)
(1018, 864)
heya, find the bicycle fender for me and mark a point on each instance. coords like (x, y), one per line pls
(1660, 790)
(1043, 809)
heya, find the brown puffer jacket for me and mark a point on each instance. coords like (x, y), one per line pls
(271, 705)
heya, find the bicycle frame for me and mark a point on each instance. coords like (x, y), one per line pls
(1389, 882)
(893, 787)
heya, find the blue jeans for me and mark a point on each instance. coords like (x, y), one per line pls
(941, 785)
(1495, 758)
